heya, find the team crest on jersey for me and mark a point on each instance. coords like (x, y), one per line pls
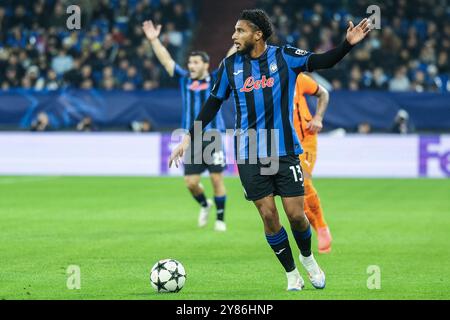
(273, 67)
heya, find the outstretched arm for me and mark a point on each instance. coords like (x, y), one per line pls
(161, 52)
(330, 58)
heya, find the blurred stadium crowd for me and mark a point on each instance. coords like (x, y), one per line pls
(409, 53)
(38, 51)
(109, 52)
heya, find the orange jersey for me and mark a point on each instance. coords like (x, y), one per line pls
(302, 114)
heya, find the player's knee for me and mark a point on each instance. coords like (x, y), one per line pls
(297, 217)
(192, 183)
(269, 215)
(301, 224)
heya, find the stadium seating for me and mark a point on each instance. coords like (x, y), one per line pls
(40, 58)
(109, 52)
(409, 52)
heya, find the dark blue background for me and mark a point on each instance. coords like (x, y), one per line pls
(116, 109)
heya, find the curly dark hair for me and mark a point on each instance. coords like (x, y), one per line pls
(260, 19)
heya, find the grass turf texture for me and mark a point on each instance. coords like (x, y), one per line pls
(115, 229)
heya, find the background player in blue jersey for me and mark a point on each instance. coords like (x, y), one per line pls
(262, 79)
(195, 84)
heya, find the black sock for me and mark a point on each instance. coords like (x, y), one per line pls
(280, 245)
(220, 205)
(201, 199)
(303, 239)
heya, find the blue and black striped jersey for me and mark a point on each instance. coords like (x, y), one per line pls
(263, 90)
(194, 94)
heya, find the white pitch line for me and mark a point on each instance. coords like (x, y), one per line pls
(15, 180)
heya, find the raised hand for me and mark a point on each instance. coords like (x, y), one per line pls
(356, 34)
(150, 31)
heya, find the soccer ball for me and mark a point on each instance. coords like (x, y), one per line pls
(167, 275)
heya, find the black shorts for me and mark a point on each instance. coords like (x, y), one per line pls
(262, 179)
(214, 163)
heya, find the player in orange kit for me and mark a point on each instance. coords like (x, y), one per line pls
(307, 128)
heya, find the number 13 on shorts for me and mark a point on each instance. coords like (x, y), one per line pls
(298, 174)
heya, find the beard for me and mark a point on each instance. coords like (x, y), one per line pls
(246, 48)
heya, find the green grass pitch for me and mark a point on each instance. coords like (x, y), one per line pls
(115, 229)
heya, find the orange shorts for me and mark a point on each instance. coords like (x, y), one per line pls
(309, 155)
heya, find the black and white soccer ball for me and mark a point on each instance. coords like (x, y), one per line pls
(168, 275)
